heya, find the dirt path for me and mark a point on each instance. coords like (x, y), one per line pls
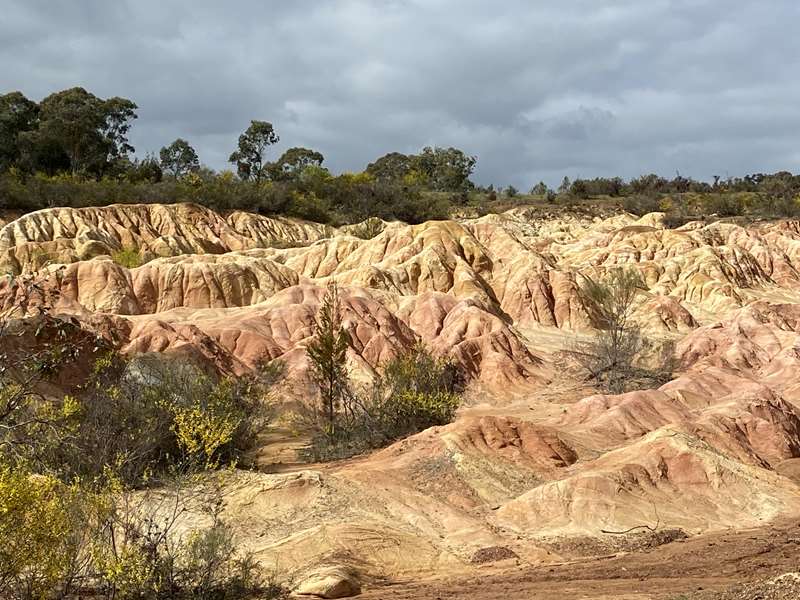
(698, 566)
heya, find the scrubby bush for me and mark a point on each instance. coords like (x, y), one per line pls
(46, 528)
(151, 415)
(146, 550)
(145, 418)
(368, 229)
(641, 204)
(33, 354)
(779, 203)
(308, 206)
(415, 391)
(130, 258)
(93, 483)
(617, 358)
(105, 541)
(348, 198)
(609, 356)
(724, 205)
(540, 189)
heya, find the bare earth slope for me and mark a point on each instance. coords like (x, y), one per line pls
(537, 475)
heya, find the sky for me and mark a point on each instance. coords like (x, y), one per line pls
(536, 89)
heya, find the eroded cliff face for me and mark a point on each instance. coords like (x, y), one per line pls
(531, 457)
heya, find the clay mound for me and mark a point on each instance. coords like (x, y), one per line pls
(318, 260)
(191, 227)
(709, 268)
(152, 229)
(521, 268)
(666, 479)
(761, 431)
(439, 256)
(615, 419)
(480, 341)
(533, 292)
(29, 257)
(266, 232)
(468, 288)
(528, 456)
(184, 339)
(191, 281)
(471, 464)
(749, 341)
(747, 422)
(628, 244)
(665, 313)
(542, 449)
(311, 517)
(385, 516)
(279, 328)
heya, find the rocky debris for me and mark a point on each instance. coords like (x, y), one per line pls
(493, 554)
(783, 587)
(330, 582)
(605, 544)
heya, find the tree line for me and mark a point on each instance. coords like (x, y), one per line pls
(72, 149)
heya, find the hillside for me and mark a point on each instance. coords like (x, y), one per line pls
(539, 467)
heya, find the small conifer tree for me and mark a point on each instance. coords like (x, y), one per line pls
(327, 352)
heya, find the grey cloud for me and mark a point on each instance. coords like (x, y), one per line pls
(537, 90)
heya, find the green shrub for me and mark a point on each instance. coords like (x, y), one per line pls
(641, 204)
(347, 198)
(149, 558)
(415, 391)
(780, 206)
(723, 205)
(46, 528)
(368, 229)
(151, 416)
(130, 258)
(70, 540)
(309, 207)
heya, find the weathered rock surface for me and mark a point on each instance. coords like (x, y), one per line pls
(531, 457)
(330, 582)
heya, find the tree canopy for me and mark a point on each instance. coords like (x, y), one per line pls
(293, 162)
(439, 169)
(253, 144)
(17, 115)
(393, 166)
(179, 158)
(77, 130)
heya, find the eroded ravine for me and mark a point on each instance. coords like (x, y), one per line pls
(531, 459)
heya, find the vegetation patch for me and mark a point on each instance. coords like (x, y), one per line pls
(613, 357)
(96, 479)
(415, 391)
(130, 258)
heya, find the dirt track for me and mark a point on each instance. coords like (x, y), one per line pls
(698, 566)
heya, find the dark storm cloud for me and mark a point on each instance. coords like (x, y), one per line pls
(536, 89)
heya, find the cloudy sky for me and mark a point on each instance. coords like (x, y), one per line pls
(537, 89)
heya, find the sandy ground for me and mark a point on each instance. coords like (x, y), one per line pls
(698, 568)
